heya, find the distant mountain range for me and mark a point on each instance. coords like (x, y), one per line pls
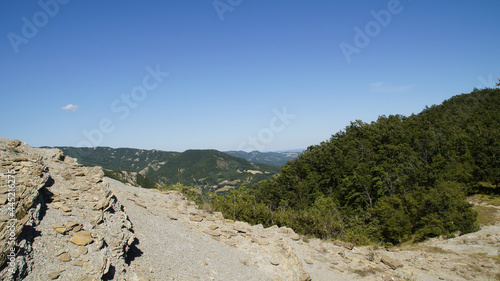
(209, 170)
(272, 158)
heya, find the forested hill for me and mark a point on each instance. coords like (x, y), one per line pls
(271, 158)
(131, 159)
(212, 168)
(209, 170)
(396, 179)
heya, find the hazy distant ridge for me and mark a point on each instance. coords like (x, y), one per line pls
(206, 169)
(272, 158)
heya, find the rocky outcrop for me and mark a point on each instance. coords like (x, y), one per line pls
(66, 223)
(23, 176)
(126, 177)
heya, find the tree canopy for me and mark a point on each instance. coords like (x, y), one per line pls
(396, 179)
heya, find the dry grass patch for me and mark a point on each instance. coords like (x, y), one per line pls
(495, 258)
(428, 249)
(437, 250)
(365, 272)
(488, 199)
(484, 257)
(406, 278)
(486, 215)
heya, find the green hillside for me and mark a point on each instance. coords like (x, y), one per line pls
(119, 158)
(271, 158)
(133, 178)
(393, 180)
(209, 170)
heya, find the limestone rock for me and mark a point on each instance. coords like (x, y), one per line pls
(65, 257)
(241, 228)
(82, 238)
(54, 275)
(67, 228)
(97, 219)
(30, 178)
(60, 229)
(68, 190)
(392, 263)
(196, 218)
(140, 204)
(71, 225)
(212, 232)
(285, 230)
(98, 245)
(346, 245)
(60, 205)
(103, 266)
(104, 203)
(83, 250)
(285, 257)
(173, 217)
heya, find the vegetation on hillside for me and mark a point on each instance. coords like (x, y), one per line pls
(207, 170)
(130, 177)
(396, 179)
(271, 158)
(191, 193)
(124, 159)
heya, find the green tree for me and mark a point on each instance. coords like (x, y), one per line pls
(393, 180)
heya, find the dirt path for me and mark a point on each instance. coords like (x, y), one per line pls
(168, 249)
(180, 242)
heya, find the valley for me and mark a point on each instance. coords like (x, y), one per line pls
(207, 170)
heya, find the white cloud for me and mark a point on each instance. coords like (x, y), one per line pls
(70, 107)
(381, 87)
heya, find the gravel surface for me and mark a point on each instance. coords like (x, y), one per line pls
(169, 250)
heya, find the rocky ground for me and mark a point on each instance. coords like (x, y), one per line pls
(72, 223)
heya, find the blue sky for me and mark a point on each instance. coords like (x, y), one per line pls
(232, 74)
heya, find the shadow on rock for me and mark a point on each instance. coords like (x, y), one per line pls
(133, 252)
